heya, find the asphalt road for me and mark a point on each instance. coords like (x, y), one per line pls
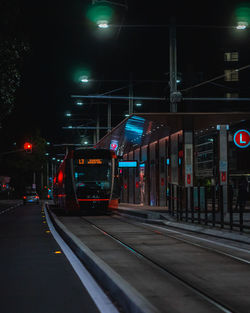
(34, 279)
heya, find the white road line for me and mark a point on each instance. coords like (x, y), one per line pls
(199, 238)
(103, 303)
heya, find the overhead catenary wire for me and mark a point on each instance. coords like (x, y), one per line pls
(215, 78)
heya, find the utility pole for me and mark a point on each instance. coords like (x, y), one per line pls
(175, 96)
(98, 124)
(47, 173)
(131, 101)
(109, 116)
(34, 180)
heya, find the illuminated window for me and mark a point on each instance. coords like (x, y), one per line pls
(231, 75)
(231, 56)
(232, 95)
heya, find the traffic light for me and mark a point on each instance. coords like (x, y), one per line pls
(27, 147)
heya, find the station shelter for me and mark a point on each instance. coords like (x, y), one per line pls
(179, 157)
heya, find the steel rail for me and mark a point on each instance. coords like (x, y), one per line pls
(205, 247)
(173, 274)
(216, 251)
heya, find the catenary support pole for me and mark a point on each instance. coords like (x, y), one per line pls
(172, 66)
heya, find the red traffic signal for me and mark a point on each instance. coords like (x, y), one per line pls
(27, 147)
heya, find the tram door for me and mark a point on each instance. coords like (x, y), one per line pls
(142, 183)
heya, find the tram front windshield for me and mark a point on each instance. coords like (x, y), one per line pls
(93, 172)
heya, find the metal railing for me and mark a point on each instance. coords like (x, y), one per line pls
(204, 205)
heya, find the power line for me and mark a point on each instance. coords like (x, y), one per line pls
(215, 78)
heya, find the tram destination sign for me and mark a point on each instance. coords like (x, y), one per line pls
(242, 138)
(89, 161)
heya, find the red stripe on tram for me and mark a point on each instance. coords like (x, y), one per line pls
(93, 199)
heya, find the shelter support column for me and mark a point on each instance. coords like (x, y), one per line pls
(223, 165)
(188, 164)
(174, 169)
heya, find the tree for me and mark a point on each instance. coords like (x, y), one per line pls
(20, 165)
(13, 48)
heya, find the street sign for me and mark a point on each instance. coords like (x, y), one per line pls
(113, 145)
(223, 166)
(242, 138)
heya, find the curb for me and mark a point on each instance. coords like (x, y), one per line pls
(130, 300)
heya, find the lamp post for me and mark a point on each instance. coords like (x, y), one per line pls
(173, 67)
(175, 95)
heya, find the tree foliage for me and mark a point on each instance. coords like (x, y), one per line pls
(24, 162)
(13, 47)
(20, 165)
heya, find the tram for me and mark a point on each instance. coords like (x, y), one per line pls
(87, 180)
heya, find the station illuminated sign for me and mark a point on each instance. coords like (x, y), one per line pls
(242, 138)
(128, 164)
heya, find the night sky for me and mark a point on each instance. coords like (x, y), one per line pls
(63, 40)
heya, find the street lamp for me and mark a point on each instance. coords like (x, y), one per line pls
(68, 114)
(79, 103)
(138, 104)
(242, 25)
(100, 14)
(102, 24)
(84, 79)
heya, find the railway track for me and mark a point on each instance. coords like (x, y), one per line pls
(216, 302)
(198, 241)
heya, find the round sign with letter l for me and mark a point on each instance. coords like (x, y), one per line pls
(242, 138)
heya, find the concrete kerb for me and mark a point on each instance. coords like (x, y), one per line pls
(124, 294)
(206, 230)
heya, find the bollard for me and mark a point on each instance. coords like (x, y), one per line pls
(177, 203)
(206, 219)
(221, 207)
(230, 205)
(169, 199)
(213, 204)
(181, 202)
(241, 216)
(199, 204)
(192, 203)
(186, 204)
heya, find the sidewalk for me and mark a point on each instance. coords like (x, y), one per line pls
(160, 216)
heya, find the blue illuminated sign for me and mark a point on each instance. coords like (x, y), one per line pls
(128, 164)
(134, 129)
